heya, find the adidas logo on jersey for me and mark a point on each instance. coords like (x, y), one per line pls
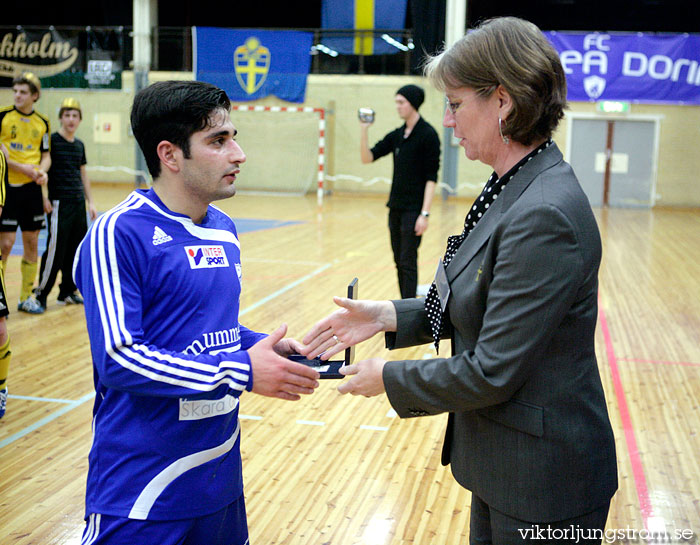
(160, 236)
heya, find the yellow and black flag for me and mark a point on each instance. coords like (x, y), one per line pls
(365, 17)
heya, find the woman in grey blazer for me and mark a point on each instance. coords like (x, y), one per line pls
(516, 293)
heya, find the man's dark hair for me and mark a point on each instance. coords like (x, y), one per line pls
(173, 111)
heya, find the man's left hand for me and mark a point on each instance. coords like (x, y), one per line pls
(421, 225)
(287, 347)
(277, 376)
(92, 211)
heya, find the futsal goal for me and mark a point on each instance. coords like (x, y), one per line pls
(284, 147)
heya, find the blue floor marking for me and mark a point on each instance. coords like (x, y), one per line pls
(248, 225)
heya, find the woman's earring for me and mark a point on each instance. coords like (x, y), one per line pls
(506, 140)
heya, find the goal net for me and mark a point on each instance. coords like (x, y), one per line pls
(284, 147)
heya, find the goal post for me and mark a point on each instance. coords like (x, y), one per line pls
(285, 148)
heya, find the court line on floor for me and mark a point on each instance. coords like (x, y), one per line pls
(280, 291)
(45, 399)
(49, 418)
(70, 405)
(632, 448)
(374, 428)
(311, 423)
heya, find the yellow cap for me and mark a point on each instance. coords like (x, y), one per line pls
(31, 77)
(70, 104)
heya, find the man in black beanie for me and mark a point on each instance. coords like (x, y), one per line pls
(416, 150)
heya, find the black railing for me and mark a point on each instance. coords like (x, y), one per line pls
(172, 48)
(362, 59)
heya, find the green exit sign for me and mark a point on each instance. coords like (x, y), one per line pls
(613, 107)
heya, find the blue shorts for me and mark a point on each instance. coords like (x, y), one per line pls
(226, 527)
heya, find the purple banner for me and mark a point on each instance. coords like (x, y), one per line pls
(630, 67)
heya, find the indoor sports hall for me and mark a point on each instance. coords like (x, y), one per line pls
(345, 470)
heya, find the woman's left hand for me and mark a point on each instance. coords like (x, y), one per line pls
(366, 378)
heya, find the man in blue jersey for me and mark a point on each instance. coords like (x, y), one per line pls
(160, 275)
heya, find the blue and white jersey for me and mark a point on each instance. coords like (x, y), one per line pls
(162, 297)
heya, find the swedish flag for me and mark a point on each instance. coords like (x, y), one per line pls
(366, 15)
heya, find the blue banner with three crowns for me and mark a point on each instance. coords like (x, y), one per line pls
(250, 64)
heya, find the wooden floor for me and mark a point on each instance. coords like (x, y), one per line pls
(339, 470)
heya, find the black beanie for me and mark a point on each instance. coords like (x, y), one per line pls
(414, 94)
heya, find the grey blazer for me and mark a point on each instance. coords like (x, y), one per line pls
(528, 430)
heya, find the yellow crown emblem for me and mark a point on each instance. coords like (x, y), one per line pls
(33, 79)
(70, 104)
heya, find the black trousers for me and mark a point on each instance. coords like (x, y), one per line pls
(488, 526)
(67, 227)
(404, 244)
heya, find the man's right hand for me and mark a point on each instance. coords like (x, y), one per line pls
(277, 376)
(34, 172)
(41, 177)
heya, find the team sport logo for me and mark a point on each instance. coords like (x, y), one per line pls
(160, 236)
(251, 63)
(594, 86)
(206, 257)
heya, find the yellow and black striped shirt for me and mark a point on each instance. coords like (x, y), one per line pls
(26, 137)
(3, 178)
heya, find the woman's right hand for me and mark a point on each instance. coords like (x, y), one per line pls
(354, 322)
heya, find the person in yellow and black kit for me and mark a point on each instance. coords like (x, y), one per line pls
(25, 134)
(4, 311)
(69, 189)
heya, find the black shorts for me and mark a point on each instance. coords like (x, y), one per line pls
(24, 208)
(4, 310)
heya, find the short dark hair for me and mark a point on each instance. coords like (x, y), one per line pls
(514, 53)
(173, 111)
